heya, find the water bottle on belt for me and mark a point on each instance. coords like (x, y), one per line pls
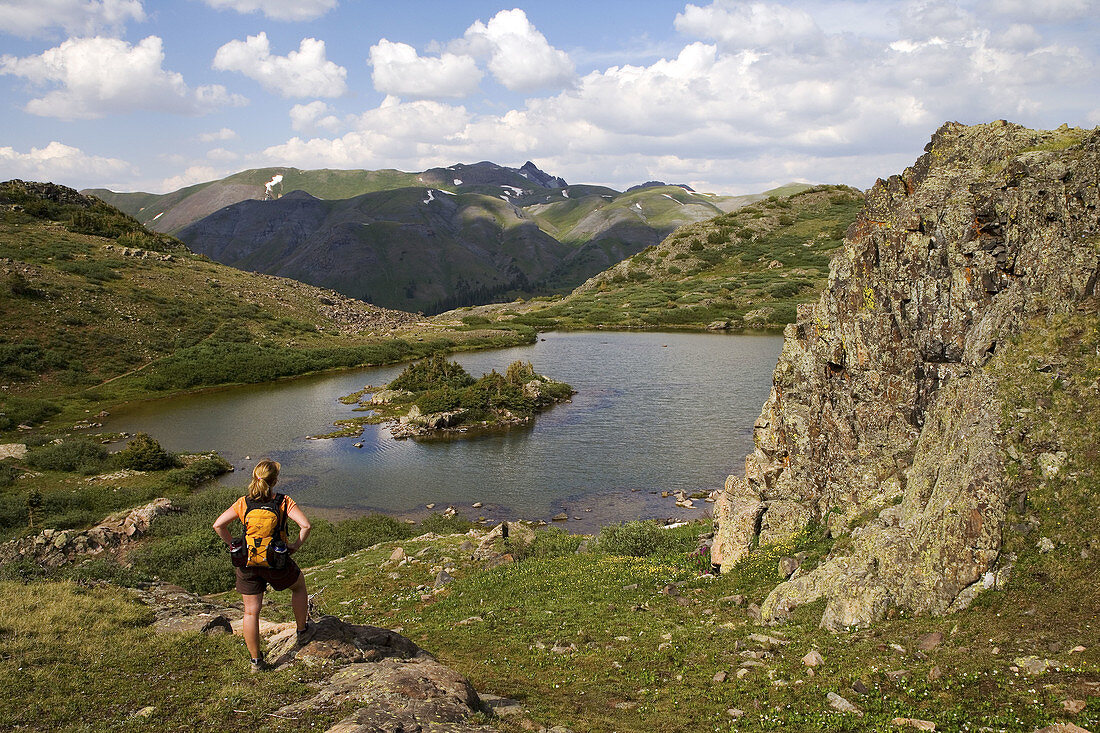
(238, 553)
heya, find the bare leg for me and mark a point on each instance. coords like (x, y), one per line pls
(299, 601)
(251, 626)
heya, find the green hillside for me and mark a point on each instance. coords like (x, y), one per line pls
(94, 308)
(548, 236)
(749, 268)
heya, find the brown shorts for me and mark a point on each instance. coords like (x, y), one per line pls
(253, 581)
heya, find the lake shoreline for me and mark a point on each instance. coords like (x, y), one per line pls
(651, 413)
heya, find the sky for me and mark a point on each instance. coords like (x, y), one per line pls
(727, 96)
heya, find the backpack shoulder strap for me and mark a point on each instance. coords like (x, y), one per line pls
(280, 507)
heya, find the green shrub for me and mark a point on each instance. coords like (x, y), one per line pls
(476, 320)
(8, 474)
(432, 373)
(144, 453)
(554, 542)
(440, 524)
(520, 373)
(637, 539)
(25, 411)
(196, 560)
(438, 400)
(91, 269)
(73, 456)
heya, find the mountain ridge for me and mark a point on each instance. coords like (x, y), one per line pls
(429, 241)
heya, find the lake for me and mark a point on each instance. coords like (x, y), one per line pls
(653, 412)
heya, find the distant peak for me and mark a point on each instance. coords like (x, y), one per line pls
(531, 172)
(655, 184)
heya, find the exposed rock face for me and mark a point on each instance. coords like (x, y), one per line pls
(54, 547)
(880, 405)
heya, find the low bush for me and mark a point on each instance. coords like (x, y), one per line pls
(74, 456)
(15, 411)
(438, 400)
(144, 453)
(638, 539)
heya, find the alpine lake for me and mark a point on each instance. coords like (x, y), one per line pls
(654, 412)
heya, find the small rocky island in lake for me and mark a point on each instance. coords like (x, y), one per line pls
(436, 396)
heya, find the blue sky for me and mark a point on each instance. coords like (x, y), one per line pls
(728, 96)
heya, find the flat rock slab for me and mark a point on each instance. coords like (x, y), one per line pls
(13, 450)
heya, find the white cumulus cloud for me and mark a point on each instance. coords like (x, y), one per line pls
(400, 71)
(313, 117)
(98, 76)
(1049, 11)
(60, 163)
(519, 55)
(302, 73)
(29, 18)
(277, 9)
(737, 25)
(223, 134)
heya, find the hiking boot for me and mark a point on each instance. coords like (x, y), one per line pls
(305, 634)
(260, 665)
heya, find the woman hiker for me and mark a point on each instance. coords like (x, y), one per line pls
(266, 513)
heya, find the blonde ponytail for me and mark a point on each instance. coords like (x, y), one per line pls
(264, 476)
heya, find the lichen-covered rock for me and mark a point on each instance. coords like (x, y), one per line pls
(882, 422)
(52, 547)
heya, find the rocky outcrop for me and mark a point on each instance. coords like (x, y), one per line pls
(54, 547)
(882, 423)
(395, 685)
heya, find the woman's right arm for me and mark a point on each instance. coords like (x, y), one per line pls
(221, 524)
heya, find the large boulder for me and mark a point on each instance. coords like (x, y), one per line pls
(882, 423)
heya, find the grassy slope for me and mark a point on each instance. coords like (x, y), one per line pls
(748, 268)
(78, 317)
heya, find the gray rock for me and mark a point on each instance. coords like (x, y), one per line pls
(813, 658)
(880, 391)
(442, 578)
(838, 703)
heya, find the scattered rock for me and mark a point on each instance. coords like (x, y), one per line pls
(838, 703)
(1032, 665)
(753, 612)
(1051, 463)
(935, 673)
(560, 517)
(787, 566)
(1062, 728)
(719, 677)
(477, 505)
(442, 578)
(768, 642)
(502, 707)
(1045, 544)
(928, 642)
(914, 723)
(398, 554)
(13, 450)
(860, 688)
(146, 712)
(813, 659)
(735, 713)
(1073, 706)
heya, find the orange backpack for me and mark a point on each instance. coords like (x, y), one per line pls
(265, 532)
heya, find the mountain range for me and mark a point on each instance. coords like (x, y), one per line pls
(428, 241)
